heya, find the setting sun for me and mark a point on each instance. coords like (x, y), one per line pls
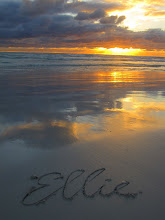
(118, 51)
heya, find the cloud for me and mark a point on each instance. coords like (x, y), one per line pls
(155, 13)
(112, 19)
(155, 35)
(90, 6)
(148, 2)
(120, 19)
(99, 13)
(83, 16)
(38, 7)
(59, 23)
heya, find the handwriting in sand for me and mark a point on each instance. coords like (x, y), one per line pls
(67, 182)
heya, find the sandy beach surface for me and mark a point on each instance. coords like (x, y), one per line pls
(78, 129)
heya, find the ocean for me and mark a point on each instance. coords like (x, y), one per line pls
(93, 61)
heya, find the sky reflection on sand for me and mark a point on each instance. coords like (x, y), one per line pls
(52, 110)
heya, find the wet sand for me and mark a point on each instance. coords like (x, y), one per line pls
(64, 122)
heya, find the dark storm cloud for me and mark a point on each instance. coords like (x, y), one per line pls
(59, 23)
(83, 16)
(39, 7)
(90, 6)
(31, 19)
(155, 35)
(15, 24)
(99, 13)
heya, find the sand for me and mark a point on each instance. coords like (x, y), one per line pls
(110, 125)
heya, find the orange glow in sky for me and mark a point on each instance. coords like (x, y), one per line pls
(85, 50)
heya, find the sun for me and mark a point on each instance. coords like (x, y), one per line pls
(118, 51)
(125, 51)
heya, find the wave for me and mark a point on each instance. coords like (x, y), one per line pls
(37, 60)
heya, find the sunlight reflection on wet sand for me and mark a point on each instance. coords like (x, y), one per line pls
(59, 109)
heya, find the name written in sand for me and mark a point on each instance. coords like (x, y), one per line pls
(68, 183)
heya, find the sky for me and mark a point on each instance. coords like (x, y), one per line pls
(122, 27)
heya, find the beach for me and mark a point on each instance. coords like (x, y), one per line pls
(65, 116)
